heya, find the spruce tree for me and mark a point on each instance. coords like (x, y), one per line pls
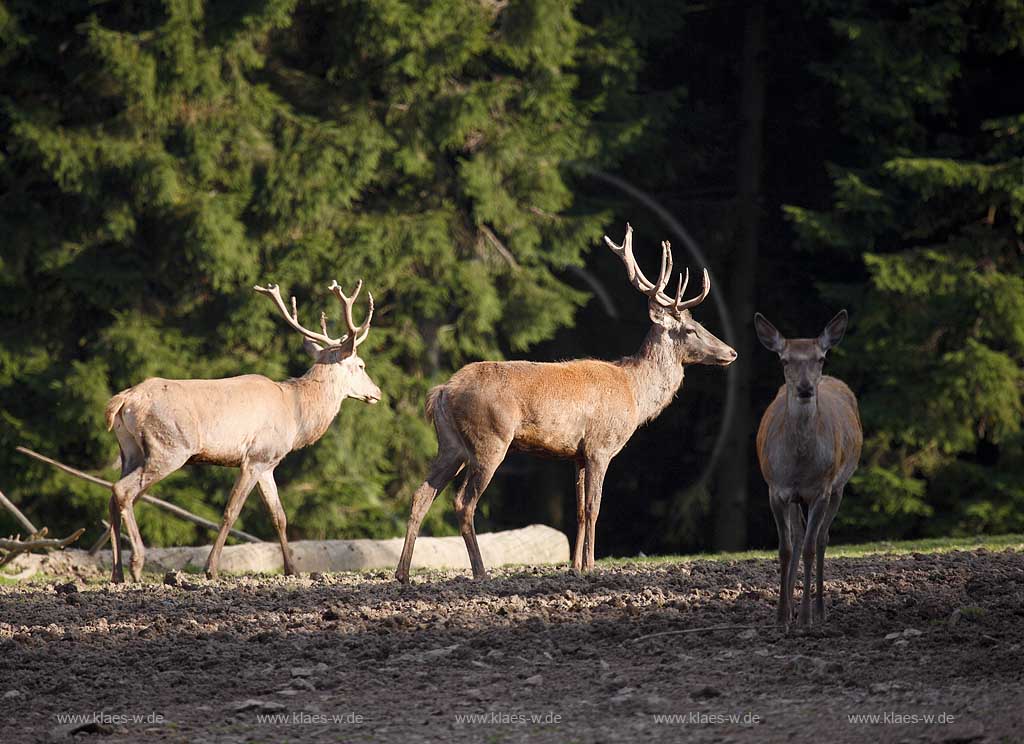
(160, 158)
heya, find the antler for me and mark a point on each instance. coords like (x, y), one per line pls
(274, 293)
(656, 291)
(358, 333)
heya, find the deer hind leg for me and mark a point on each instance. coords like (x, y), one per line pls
(835, 499)
(139, 471)
(581, 517)
(243, 486)
(815, 518)
(271, 499)
(478, 477)
(443, 469)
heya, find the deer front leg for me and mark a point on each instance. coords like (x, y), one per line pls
(781, 512)
(815, 516)
(581, 517)
(595, 470)
(271, 499)
(246, 480)
(835, 499)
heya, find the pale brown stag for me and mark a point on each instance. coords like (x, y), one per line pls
(808, 445)
(248, 422)
(584, 410)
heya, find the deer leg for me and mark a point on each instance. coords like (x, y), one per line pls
(477, 480)
(268, 491)
(815, 515)
(133, 483)
(138, 547)
(835, 499)
(595, 471)
(442, 470)
(581, 517)
(797, 529)
(246, 480)
(117, 567)
(782, 514)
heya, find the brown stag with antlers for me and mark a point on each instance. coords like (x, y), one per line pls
(584, 410)
(248, 422)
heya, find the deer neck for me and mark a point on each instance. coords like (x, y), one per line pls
(317, 398)
(802, 421)
(656, 374)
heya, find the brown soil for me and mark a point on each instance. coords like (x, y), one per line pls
(921, 635)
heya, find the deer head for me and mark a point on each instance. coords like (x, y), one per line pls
(340, 353)
(802, 358)
(692, 343)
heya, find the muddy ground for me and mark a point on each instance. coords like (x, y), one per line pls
(533, 655)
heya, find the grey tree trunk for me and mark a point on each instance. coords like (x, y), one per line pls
(734, 469)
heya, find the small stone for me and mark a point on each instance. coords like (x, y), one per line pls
(69, 588)
(265, 706)
(910, 632)
(534, 680)
(954, 618)
(331, 613)
(747, 634)
(706, 693)
(893, 636)
(179, 579)
(11, 694)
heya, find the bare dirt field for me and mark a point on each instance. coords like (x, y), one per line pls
(924, 647)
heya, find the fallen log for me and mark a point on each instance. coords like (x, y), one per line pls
(533, 545)
(165, 505)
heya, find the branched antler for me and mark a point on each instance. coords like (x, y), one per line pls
(655, 291)
(274, 293)
(358, 333)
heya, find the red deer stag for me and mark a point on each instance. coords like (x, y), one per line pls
(584, 410)
(808, 445)
(247, 422)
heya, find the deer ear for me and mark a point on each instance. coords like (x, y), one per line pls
(834, 331)
(769, 336)
(662, 316)
(347, 347)
(312, 348)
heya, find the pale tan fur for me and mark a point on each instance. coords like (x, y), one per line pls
(248, 422)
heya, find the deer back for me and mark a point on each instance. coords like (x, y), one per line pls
(543, 407)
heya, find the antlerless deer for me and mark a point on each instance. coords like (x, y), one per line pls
(808, 445)
(248, 422)
(584, 410)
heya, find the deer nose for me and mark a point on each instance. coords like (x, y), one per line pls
(805, 390)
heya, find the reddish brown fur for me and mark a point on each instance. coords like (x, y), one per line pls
(584, 410)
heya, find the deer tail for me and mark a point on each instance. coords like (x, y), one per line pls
(433, 398)
(114, 407)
